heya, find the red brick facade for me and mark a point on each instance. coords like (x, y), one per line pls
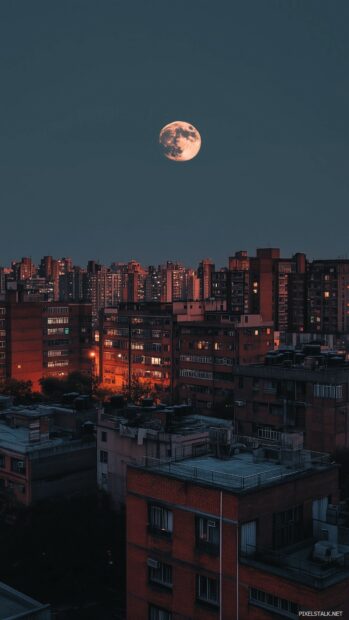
(315, 403)
(44, 339)
(241, 579)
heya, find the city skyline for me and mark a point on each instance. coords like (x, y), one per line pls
(174, 309)
(177, 259)
(87, 88)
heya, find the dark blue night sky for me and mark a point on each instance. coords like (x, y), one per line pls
(86, 86)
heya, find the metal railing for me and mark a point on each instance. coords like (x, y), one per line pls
(308, 569)
(179, 468)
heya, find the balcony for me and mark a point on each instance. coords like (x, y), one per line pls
(300, 563)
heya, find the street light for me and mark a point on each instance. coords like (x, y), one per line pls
(92, 356)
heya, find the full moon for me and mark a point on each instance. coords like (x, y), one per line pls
(180, 141)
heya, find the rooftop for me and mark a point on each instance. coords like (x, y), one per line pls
(296, 373)
(174, 420)
(14, 604)
(298, 563)
(244, 471)
(18, 440)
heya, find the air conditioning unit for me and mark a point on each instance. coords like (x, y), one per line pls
(152, 563)
(326, 551)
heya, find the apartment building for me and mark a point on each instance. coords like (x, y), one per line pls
(39, 339)
(302, 391)
(257, 534)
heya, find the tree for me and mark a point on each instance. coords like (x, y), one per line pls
(78, 382)
(54, 388)
(137, 390)
(20, 390)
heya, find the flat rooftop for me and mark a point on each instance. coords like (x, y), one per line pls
(171, 423)
(18, 440)
(296, 373)
(242, 471)
(14, 604)
(298, 564)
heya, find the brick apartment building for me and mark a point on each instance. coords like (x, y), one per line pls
(44, 453)
(40, 339)
(184, 350)
(305, 392)
(136, 343)
(208, 350)
(328, 296)
(254, 535)
(265, 284)
(296, 294)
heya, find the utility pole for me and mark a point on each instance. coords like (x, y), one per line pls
(129, 358)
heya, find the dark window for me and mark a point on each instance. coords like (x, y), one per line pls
(160, 573)
(282, 606)
(157, 613)
(2, 460)
(104, 436)
(207, 589)
(103, 456)
(288, 526)
(160, 519)
(18, 466)
(207, 533)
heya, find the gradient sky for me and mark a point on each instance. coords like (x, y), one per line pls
(86, 86)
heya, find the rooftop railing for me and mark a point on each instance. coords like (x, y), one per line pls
(305, 568)
(179, 467)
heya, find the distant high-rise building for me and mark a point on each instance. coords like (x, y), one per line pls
(23, 269)
(153, 284)
(328, 296)
(205, 271)
(136, 276)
